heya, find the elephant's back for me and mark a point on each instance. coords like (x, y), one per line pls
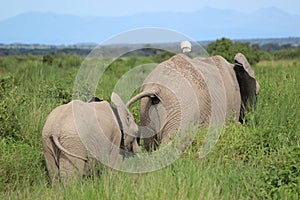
(96, 126)
(93, 118)
(58, 119)
(217, 68)
(180, 76)
(232, 89)
(211, 80)
(78, 117)
(102, 112)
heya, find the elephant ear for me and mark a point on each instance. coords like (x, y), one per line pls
(123, 112)
(249, 87)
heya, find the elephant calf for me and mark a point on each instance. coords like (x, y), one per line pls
(77, 134)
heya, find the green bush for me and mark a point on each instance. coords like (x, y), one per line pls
(10, 125)
(48, 59)
(290, 53)
(228, 49)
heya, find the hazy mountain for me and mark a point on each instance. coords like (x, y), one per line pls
(205, 24)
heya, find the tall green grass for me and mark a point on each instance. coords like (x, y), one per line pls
(257, 160)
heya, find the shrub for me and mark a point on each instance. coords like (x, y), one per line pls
(48, 59)
(10, 126)
(228, 49)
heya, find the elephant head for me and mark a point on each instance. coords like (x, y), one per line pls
(183, 90)
(127, 125)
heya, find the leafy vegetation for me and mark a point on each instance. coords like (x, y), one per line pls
(255, 53)
(257, 160)
(228, 49)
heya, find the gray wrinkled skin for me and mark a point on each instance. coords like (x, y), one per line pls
(78, 135)
(182, 90)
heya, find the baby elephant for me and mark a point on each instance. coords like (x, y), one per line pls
(77, 134)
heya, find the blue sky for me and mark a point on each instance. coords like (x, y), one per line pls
(10, 8)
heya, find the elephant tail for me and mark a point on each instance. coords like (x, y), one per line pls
(151, 93)
(57, 143)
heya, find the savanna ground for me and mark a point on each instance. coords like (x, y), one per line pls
(257, 160)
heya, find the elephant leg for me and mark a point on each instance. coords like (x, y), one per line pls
(92, 168)
(51, 158)
(115, 148)
(69, 166)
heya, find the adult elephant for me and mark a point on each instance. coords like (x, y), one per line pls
(182, 90)
(79, 134)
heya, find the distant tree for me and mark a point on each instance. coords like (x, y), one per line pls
(228, 49)
(290, 53)
(287, 46)
(221, 47)
(269, 47)
(163, 56)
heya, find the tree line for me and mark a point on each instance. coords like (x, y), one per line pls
(224, 47)
(228, 48)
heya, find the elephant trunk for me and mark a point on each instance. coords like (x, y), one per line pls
(140, 96)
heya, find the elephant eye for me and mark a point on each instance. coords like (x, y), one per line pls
(154, 100)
